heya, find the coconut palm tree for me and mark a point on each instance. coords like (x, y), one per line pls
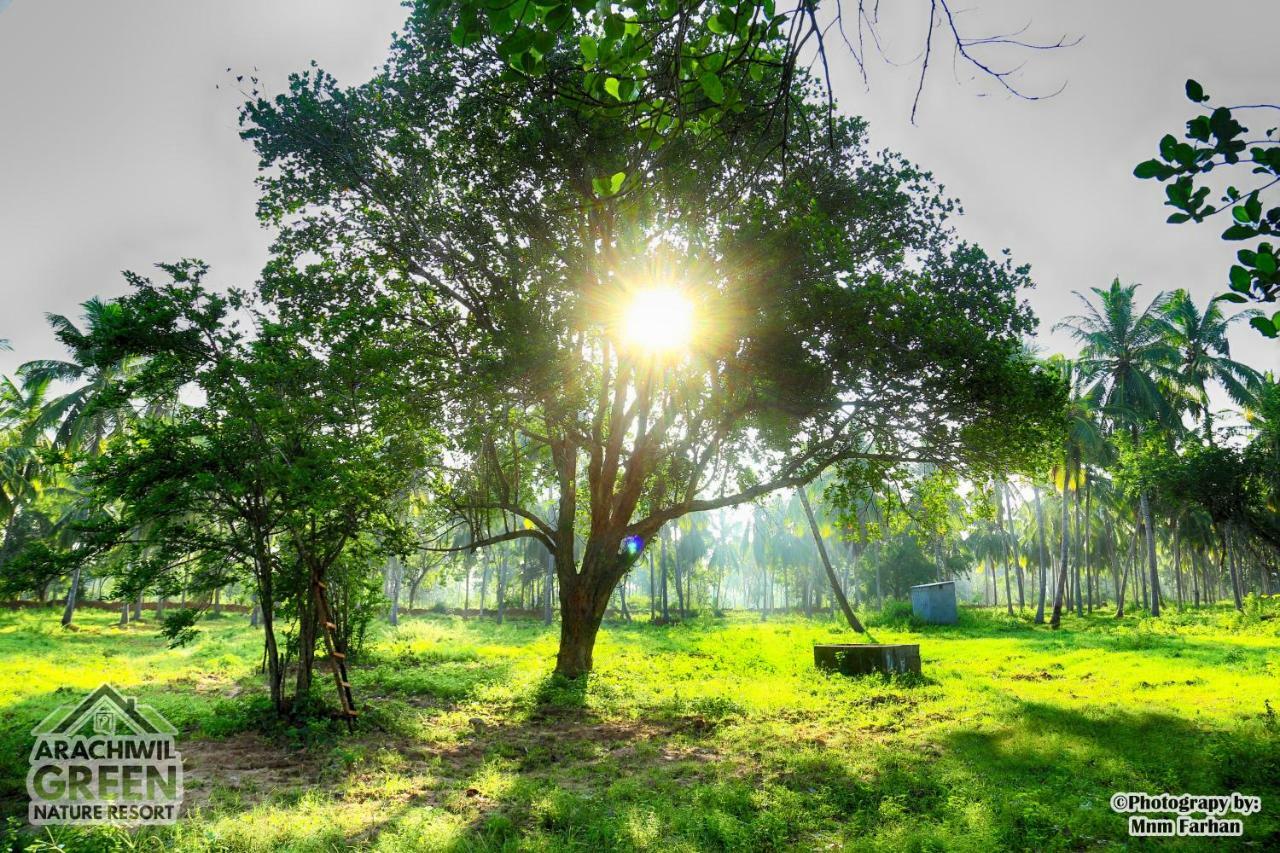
(1126, 363)
(1204, 355)
(19, 460)
(1085, 444)
(85, 416)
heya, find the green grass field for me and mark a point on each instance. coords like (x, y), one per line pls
(708, 735)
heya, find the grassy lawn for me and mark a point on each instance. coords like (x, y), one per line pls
(709, 735)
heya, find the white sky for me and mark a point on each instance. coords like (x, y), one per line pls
(117, 150)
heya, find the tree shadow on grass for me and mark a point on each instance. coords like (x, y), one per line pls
(1047, 755)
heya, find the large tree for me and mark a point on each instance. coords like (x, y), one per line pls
(831, 314)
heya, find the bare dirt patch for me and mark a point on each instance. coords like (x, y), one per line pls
(247, 763)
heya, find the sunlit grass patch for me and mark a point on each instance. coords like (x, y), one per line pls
(712, 734)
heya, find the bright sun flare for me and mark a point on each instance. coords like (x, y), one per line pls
(659, 320)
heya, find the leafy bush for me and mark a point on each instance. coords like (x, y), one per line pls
(896, 616)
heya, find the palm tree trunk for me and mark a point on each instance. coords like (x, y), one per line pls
(1177, 558)
(1065, 553)
(826, 564)
(1229, 552)
(1017, 565)
(1044, 556)
(1080, 536)
(1150, 534)
(1004, 542)
(68, 612)
(1090, 580)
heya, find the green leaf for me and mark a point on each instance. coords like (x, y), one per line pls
(712, 86)
(1241, 280)
(1266, 264)
(605, 187)
(500, 21)
(1195, 92)
(614, 26)
(589, 47)
(516, 43)
(1149, 169)
(1198, 128)
(558, 17)
(1253, 207)
(613, 87)
(1264, 325)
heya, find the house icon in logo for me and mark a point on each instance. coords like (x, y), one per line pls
(104, 712)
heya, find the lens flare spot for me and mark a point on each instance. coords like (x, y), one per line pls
(659, 320)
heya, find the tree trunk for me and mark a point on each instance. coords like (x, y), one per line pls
(653, 589)
(466, 592)
(1196, 568)
(1004, 547)
(549, 588)
(415, 584)
(666, 612)
(1090, 577)
(1124, 578)
(1064, 554)
(1150, 534)
(68, 612)
(583, 602)
(308, 623)
(1017, 565)
(679, 579)
(395, 572)
(1080, 537)
(502, 587)
(271, 651)
(137, 609)
(1177, 558)
(1228, 545)
(826, 564)
(1044, 556)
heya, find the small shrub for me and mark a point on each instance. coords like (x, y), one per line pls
(895, 615)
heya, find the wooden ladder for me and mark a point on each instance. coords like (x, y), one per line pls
(337, 659)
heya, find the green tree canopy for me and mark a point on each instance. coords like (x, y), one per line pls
(836, 316)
